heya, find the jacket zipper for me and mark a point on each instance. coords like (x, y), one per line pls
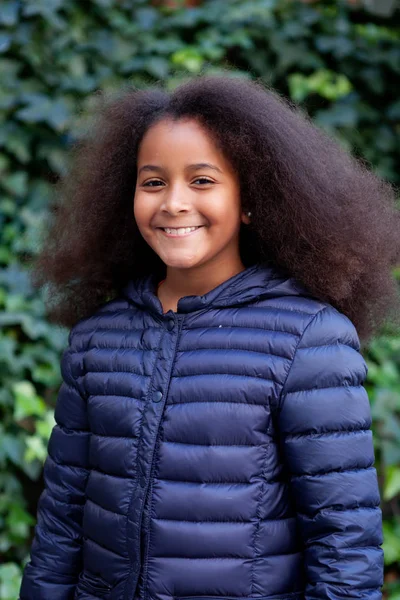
(180, 319)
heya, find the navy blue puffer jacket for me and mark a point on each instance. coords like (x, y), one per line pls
(219, 452)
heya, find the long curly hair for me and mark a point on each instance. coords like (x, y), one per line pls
(317, 212)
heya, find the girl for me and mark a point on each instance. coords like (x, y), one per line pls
(217, 258)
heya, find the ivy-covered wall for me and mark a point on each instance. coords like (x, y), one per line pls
(340, 62)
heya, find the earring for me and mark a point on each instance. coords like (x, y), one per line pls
(249, 214)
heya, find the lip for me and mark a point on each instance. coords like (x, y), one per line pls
(173, 235)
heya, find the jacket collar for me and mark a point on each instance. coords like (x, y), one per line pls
(251, 284)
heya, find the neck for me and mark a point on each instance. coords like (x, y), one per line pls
(199, 280)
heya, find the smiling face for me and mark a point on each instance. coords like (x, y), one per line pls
(183, 180)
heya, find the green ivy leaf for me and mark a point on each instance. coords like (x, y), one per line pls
(10, 578)
(13, 448)
(16, 183)
(19, 521)
(5, 41)
(45, 425)
(392, 483)
(391, 542)
(189, 58)
(35, 449)
(27, 402)
(9, 14)
(56, 113)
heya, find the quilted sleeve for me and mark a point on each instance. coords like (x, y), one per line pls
(55, 559)
(324, 426)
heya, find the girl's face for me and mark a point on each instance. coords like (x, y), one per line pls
(183, 180)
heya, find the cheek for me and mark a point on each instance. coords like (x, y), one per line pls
(140, 210)
(227, 206)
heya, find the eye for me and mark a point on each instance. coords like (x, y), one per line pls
(203, 179)
(157, 182)
(149, 183)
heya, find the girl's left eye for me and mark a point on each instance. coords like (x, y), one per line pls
(203, 179)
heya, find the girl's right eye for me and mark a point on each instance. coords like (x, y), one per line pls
(148, 183)
(157, 181)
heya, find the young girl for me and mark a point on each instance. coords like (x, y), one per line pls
(217, 257)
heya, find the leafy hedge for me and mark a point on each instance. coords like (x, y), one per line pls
(341, 65)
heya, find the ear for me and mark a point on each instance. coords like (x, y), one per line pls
(245, 218)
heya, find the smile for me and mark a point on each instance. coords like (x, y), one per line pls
(180, 232)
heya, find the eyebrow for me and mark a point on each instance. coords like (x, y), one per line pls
(192, 167)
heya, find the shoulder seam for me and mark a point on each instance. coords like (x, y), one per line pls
(73, 352)
(295, 352)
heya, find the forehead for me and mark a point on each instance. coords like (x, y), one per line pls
(185, 136)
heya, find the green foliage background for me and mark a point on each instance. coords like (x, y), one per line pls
(340, 63)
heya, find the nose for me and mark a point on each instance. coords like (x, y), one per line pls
(175, 199)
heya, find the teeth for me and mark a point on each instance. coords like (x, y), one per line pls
(180, 231)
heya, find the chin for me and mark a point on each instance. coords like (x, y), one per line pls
(181, 263)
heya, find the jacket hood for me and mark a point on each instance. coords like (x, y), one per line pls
(258, 281)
